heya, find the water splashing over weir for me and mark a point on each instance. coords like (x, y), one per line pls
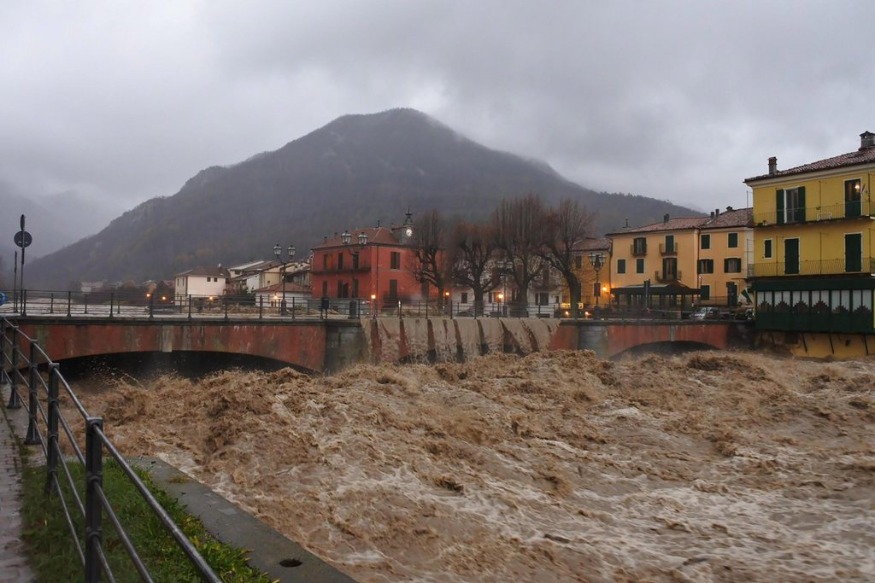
(448, 340)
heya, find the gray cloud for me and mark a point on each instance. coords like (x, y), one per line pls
(679, 100)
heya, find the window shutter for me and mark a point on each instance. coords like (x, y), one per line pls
(779, 206)
(800, 211)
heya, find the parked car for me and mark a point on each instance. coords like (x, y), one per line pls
(706, 314)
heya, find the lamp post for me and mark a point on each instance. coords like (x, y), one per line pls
(597, 260)
(506, 267)
(346, 239)
(277, 251)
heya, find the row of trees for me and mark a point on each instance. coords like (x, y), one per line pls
(522, 240)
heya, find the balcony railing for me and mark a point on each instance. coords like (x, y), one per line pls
(666, 249)
(666, 277)
(811, 267)
(844, 210)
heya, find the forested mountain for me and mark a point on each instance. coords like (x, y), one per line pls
(353, 172)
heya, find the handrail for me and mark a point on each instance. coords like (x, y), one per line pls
(43, 430)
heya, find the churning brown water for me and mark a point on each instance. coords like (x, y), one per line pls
(550, 467)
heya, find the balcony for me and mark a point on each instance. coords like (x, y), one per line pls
(638, 250)
(665, 249)
(813, 267)
(840, 211)
(666, 277)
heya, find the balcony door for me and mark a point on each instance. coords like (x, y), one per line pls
(853, 190)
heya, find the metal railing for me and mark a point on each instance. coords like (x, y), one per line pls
(811, 267)
(842, 210)
(22, 359)
(135, 305)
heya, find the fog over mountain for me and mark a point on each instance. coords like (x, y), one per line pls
(357, 171)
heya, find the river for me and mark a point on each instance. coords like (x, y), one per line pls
(554, 467)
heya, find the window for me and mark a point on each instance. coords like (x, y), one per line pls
(732, 241)
(578, 261)
(621, 266)
(325, 262)
(854, 252)
(732, 265)
(464, 298)
(355, 261)
(669, 244)
(355, 288)
(639, 246)
(639, 266)
(324, 288)
(670, 268)
(790, 205)
(395, 260)
(542, 299)
(705, 292)
(393, 289)
(340, 260)
(767, 249)
(706, 266)
(705, 241)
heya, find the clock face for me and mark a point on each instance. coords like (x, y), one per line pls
(409, 231)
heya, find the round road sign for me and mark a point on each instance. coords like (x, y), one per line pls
(23, 239)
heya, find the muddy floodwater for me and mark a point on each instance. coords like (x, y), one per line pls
(553, 467)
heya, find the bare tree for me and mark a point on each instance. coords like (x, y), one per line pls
(431, 262)
(473, 249)
(567, 226)
(520, 226)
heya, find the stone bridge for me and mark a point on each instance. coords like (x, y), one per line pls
(333, 344)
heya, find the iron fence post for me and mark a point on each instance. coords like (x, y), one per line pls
(86, 303)
(260, 307)
(293, 307)
(93, 507)
(24, 302)
(14, 401)
(225, 301)
(4, 378)
(111, 301)
(151, 305)
(32, 436)
(189, 306)
(52, 303)
(69, 301)
(52, 428)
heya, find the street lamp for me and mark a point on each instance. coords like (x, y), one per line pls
(346, 239)
(597, 260)
(277, 250)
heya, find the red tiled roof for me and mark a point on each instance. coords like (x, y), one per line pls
(731, 218)
(678, 224)
(376, 235)
(206, 272)
(594, 244)
(861, 156)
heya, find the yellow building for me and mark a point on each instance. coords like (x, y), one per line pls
(592, 265)
(814, 242)
(679, 262)
(725, 251)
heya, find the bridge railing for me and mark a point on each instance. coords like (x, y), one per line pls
(22, 363)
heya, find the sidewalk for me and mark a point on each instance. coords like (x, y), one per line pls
(13, 565)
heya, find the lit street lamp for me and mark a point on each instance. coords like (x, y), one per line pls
(597, 260)
(277, 250)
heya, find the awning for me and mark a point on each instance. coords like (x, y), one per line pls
(657, 289)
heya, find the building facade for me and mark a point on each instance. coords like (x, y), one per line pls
(814, 242)
(201, 282)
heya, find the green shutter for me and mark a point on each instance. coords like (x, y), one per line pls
(779, 206)
(853, 252)
(800, 212)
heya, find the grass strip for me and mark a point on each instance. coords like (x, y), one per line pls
(53, 556)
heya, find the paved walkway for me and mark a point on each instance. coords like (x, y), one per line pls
(13, 565)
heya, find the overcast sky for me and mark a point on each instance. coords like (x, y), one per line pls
(677, 100)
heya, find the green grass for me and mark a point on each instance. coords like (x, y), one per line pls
(53, 555)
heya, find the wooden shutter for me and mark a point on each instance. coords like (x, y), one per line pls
(779, 206)
(800, 210)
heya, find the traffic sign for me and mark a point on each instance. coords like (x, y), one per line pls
(23, 239)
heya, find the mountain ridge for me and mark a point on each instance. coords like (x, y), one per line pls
(355, 171)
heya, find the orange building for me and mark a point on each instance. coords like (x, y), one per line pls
(371, 263)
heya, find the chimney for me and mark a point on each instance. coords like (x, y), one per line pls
(728, 209)
(665, 218)
(627, 223)
(716, 213)
(712, 215)
(773, 165)
(867, 140)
